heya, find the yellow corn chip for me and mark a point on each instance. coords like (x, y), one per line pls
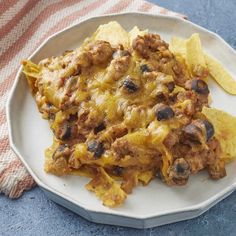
(225, 130)
(191, 50)
(32, 72)
(112, 33)
(221, 76)
(178, 46)
(195, 58)
(106, 189)
(145, 177)
(135, 32)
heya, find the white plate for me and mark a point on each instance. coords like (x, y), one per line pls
(146, 207)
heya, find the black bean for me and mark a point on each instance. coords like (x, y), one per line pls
(180, 171)
(171, 86)
(160, 97)
(62, 151)
(181, 166)
(96, 147)
(160, 175)
(50, 110)
(66, 132)
(209, 129)
(197, 129)
(199, 86)
(144, 68)
(99, 128)
(73, 117)
(51, 116)
(164, 112)
(117, 170)
(92, 145)
(99, 151)
(130, 86)
(49, 105)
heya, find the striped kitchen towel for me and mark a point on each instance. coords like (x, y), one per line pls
(24, 25)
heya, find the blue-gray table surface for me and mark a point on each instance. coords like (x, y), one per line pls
(34, 214)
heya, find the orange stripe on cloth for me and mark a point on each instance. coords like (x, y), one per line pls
(12, 166)
(7, 83)
(23, 39)
(163, 11)
(4, 145)
(12, 175)
(119, 6)
(10, 24)
(146, 6)
(24, 184)
(68, 19)
(5, 5)
(2, 117)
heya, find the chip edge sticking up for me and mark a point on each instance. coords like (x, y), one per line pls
(225, 130)
(181, 48)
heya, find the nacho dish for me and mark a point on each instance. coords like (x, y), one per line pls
(127, 107)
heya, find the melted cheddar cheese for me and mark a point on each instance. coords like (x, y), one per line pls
(115, 108)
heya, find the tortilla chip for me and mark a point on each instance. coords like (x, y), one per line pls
(145, 177)
(57, 167)
(195, 58)
(135, 32)
(106, 189)
(225, 130)
(221, 76)
(192, 52)
(112, 33)
(178, 46)
(32, 72)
